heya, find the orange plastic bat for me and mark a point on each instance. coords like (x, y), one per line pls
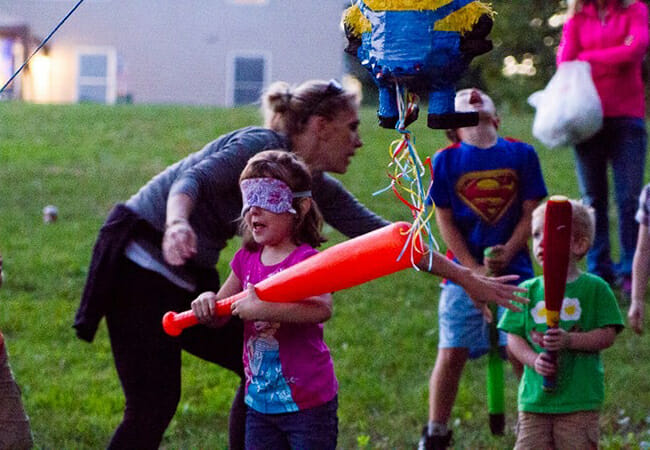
(339, 267)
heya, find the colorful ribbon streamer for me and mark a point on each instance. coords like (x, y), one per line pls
(409, 180)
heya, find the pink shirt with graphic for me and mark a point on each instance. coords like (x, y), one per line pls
(288, 366)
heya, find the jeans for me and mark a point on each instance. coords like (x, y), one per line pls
(309, 429)
(622, 141)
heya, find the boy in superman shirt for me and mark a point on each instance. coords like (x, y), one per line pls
(485, 188)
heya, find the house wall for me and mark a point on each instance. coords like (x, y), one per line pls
(181, 51)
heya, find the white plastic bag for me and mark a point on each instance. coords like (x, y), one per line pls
(568, 109)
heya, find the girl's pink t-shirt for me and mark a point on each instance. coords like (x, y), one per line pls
(288, 366)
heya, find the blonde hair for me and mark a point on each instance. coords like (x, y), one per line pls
(290, 169)
(583, 220)
(286, 109)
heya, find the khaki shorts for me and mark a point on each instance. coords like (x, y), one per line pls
(574, 431)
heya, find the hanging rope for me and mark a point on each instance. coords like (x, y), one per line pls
(41, 45)
(409, 180)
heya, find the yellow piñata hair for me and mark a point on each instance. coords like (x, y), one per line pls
(355, 20)
(464, 19)
(403, 5)
(460, 21)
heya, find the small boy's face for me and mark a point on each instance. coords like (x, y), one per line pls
(578, 247)
(538, 238)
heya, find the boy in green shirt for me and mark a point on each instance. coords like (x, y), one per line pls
(566, 417)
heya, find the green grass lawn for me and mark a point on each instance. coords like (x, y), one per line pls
(383, 335)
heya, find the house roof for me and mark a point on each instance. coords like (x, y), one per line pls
(14, 27)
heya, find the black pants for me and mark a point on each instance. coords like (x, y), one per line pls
(148, 361)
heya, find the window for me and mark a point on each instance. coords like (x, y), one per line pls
(7, 67)
(96, 81)
(249, 76)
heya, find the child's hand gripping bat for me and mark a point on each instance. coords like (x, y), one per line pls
(557, 241)
(353, 262)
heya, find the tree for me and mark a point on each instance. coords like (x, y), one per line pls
(525, 36)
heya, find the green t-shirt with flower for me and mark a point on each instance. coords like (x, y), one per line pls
(588, 303)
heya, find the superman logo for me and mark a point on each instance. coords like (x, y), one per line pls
(489, 193)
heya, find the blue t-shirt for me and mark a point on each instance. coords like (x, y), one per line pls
(485, 189)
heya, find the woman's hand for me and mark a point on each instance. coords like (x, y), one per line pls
(635, 316)
(179, 242)
(482, 289)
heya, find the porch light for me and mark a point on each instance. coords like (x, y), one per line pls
(40, 67)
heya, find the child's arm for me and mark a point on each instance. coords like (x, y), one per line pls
(589, 341)
(204, 307)
(640, 274)
(503, 254)
(522, 350)
(455, 240)
(310, 310)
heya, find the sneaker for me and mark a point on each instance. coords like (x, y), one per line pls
(434, 442)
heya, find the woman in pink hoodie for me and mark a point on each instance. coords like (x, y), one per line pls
(612, 35)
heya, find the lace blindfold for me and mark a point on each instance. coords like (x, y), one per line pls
(270, 194)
